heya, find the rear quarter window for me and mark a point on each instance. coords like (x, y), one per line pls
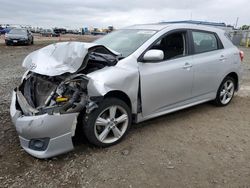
(204, 41)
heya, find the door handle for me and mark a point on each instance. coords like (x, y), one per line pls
(187, 66)
(222, 58)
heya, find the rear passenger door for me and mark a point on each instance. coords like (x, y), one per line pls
(208, 62)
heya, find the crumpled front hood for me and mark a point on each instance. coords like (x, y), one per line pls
(58, 58)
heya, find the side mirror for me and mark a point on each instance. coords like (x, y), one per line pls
(153, 55)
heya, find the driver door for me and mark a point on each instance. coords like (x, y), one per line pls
(168, 83)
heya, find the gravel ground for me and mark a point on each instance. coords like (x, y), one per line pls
(203, 146)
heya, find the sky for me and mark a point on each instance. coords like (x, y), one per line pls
(119, 13)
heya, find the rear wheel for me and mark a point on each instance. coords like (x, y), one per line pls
(107, 124)
(225, 92)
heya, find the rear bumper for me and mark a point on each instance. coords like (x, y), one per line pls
(56, 130)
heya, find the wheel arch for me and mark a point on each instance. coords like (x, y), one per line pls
(120, 95)
(235, 76)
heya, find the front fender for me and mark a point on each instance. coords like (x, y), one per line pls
(115, 78)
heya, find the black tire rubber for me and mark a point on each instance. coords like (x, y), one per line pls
(217, 100)
(89, 121)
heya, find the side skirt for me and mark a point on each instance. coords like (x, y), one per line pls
(139, 118)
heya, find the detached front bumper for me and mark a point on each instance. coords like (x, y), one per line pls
(44, 136)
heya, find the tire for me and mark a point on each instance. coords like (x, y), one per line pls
(107, 131)
(225, 92)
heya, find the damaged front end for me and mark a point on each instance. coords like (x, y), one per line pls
(39, 94)
(46, 105)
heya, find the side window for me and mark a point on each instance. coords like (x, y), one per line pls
(172, 45)
(204, 42)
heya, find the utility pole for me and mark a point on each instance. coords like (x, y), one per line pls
(236, 22)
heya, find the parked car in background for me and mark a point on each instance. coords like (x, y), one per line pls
(49, 33)
(60, 30)
(19, 36)
(130, 75)
(73, 31)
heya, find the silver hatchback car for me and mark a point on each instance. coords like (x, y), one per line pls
(131, 75)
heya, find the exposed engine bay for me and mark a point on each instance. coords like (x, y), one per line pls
(66, 93)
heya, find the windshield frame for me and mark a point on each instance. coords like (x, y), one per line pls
(134, 50)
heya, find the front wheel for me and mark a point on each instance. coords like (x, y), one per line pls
(225, 92)
(107, 124)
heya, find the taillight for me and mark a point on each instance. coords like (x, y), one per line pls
(241, 55)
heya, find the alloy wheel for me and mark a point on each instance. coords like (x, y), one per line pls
(111, 124)
(227, 91)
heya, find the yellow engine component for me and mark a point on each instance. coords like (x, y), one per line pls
(62, 99)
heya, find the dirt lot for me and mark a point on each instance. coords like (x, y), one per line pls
(203, 146)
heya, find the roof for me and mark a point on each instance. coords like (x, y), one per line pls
(198, 22)
(163, 25)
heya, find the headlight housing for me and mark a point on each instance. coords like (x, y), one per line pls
(24, 75)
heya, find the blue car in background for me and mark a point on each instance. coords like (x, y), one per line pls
(4, 30)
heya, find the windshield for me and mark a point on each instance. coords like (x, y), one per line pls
(18, 31)
(125, 41)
